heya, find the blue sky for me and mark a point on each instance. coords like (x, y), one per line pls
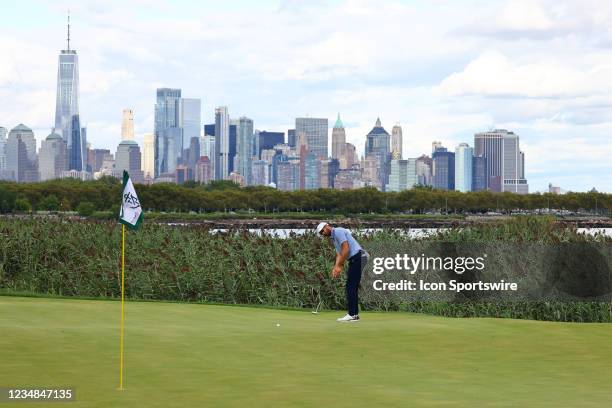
(442, 69)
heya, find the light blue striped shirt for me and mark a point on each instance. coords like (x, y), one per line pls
(340, 235)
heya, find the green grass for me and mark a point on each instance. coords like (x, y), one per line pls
(202, 355)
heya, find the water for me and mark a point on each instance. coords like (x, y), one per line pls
(410, 232)
(594, 231)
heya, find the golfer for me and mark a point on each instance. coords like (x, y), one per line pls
(347, 248)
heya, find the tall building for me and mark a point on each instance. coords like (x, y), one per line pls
(233, 136)
(291, 139)
(67, 96)
(348, 179)
(128, 158)
(480, 178)
(77, 145)
(312, 172)
(279, 157)
(398, 175)
(98, 157)
(260, 173)
(288, 175)
(338, 141)
(168, 131)
(182, 174)
(207, 148)
(203, 171)
(52, 157)
(402, 175)
(435, 145)
(222, 143)
(21, 159)
(127, 125)
(351, 157)
(316, 133)
(514, 166)
(443, 169)
(424, 165)
(3, 133)
(148, 156)
(396, 141)
(505, 161)
(329, 170)
(463, 167)
(378, 146)
(244, 148)
(191, 119)
(267, 140)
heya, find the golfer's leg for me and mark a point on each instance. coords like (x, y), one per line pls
(358, 269)
(354, 276)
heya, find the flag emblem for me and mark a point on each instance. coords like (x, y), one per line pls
(131, 213)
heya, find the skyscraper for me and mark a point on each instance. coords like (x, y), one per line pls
(338, 140)
(260, 173)
(288, 175)
(207, 148)
(148, 156)
(267, 140)
(204, 171)
(316, 133)
(99, 156)
(127, 125)
(463, 167)
(168, 131)
(78, 145)
(191, 112)
(3, 133)
(67, 96)
(505, 161)
(443, 169)
(128, 158)
(21, 160)
(513, 176)
(222, 145)
(378, 145)
(480, 176)
(423, 168)
(52, 157)
(244, 148)
(291, 139)
(396, 141)
(312, 172)
(402, 175)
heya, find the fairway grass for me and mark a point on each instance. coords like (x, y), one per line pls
(191, 355)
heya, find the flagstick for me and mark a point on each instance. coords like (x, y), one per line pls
(122, 305)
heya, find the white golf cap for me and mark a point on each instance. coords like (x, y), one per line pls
(320, 227)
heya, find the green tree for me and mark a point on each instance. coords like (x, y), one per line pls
(85, 208)
(22, 205)
(49, 203)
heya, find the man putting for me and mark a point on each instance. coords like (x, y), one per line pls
(347, 248)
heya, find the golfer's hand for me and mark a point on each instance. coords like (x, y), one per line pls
(336, 271)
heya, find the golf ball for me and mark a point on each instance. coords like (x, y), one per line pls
(277, 324)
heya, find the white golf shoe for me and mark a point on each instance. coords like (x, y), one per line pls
(348, 318)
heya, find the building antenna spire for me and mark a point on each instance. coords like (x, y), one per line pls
(68, 30)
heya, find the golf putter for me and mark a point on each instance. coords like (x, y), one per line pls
(316, 311)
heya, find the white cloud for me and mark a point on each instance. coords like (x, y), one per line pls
(494, 74)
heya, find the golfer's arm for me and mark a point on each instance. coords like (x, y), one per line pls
(343, 254)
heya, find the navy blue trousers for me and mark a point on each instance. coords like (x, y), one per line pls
(352, 284)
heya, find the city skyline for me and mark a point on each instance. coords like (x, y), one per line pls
(567, 146)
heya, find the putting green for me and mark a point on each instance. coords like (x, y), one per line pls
(189, 355)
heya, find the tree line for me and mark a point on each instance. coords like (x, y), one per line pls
(104, 195)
